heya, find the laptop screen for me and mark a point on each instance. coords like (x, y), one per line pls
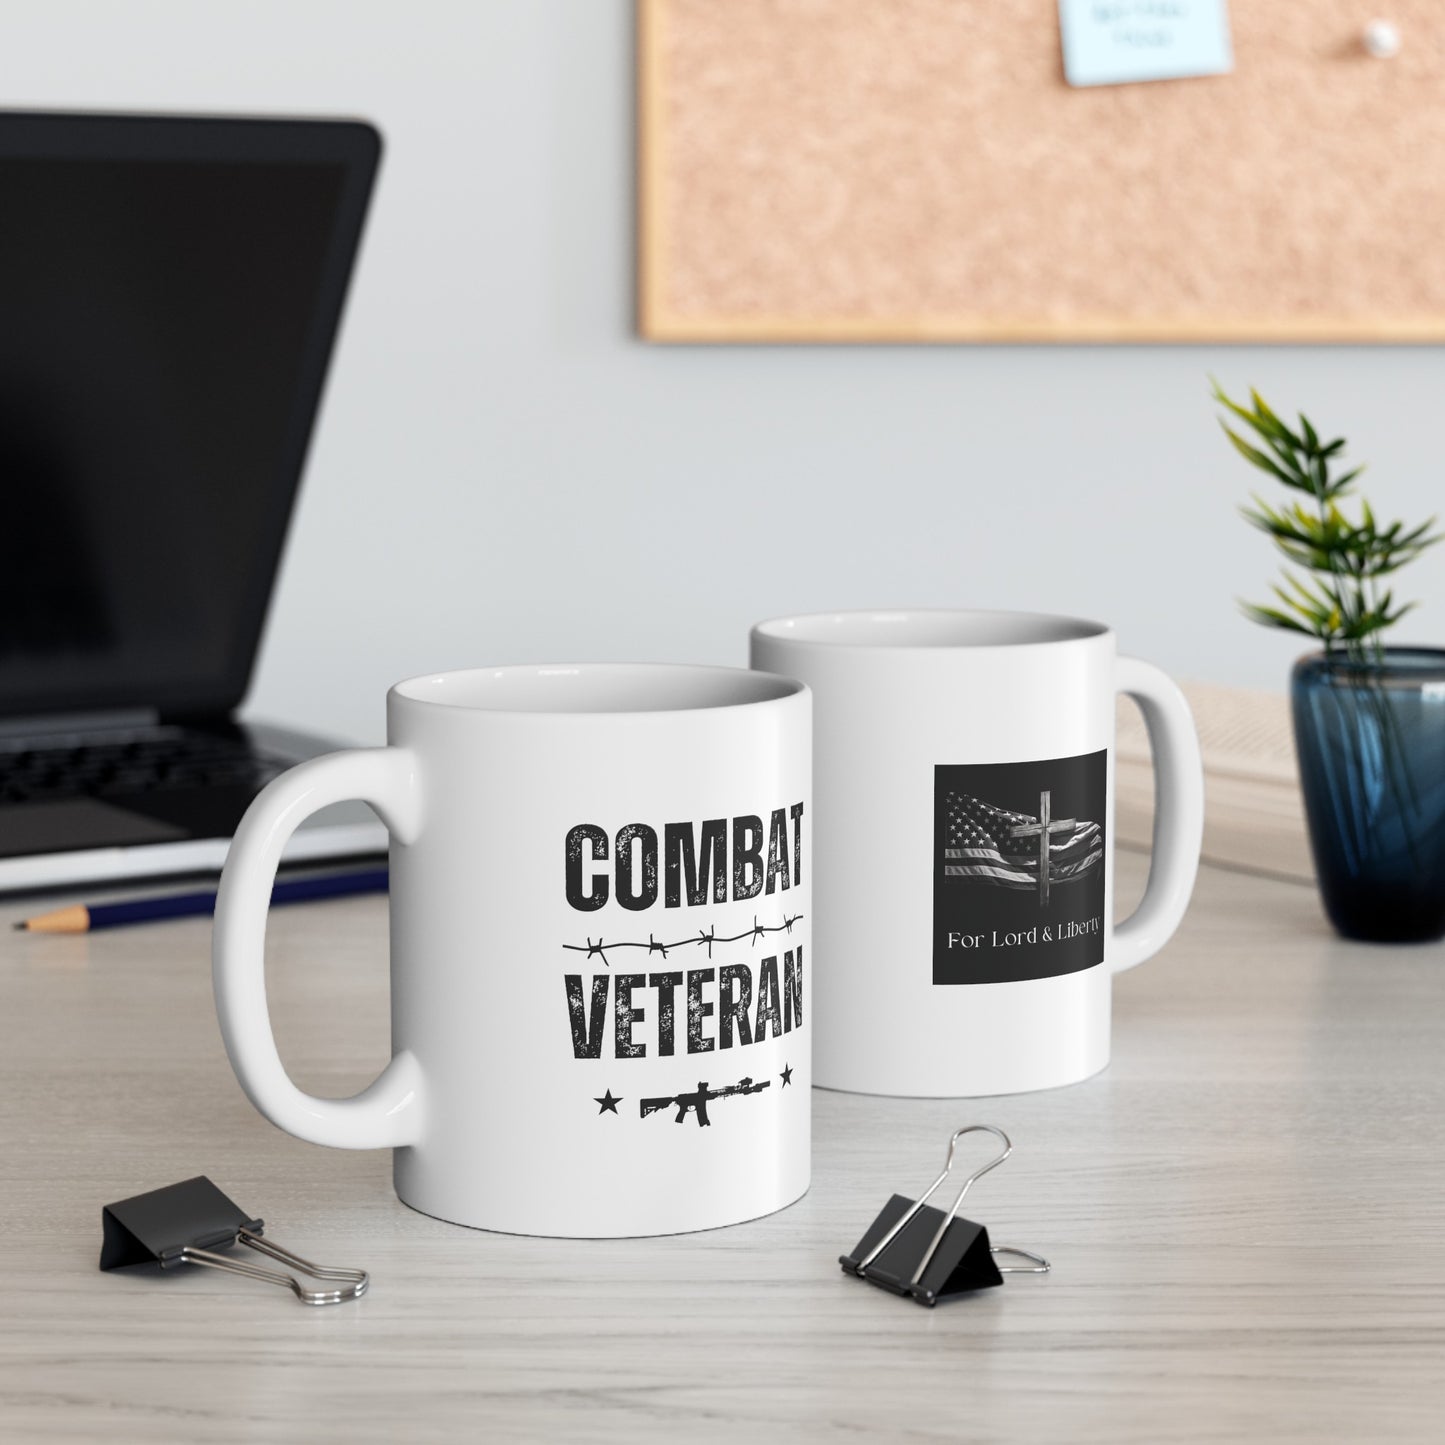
(169, 291)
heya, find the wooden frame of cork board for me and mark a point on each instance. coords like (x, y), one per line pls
(919, 170)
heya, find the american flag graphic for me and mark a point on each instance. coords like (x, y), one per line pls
(980, 843)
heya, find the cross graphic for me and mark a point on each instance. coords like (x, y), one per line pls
(1043, 828)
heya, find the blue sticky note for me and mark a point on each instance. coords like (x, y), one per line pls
(1109, 42)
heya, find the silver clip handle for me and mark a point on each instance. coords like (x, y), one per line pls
(1040, 1264)
(356, 1280)
(993, 1163)
(923, 1198)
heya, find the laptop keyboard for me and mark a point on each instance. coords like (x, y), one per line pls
(162, 759)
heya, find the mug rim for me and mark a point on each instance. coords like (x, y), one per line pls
(1055, 629)
(750, 688)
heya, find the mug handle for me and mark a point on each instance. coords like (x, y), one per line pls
(1178, 813)
(391, 1111)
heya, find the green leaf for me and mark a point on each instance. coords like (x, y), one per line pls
(1263, 422)
(1256, 457)
(1269, 422)
(1306, 605)
(1271, 617)
(1410, 539)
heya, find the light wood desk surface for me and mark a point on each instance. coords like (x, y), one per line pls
(1246, 1216)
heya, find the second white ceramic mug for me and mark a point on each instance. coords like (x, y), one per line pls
(964, 798)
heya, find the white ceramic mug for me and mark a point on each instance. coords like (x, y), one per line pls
(600, 954)
(964, 770)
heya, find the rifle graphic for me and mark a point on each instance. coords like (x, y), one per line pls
(698, 1100)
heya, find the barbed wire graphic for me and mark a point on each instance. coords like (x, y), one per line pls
(698, 939)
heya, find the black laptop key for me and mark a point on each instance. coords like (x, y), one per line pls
(131, 767)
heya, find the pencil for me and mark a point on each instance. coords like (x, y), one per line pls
(80, 918)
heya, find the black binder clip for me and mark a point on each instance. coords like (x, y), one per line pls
(913, 1249)
(187, 1223)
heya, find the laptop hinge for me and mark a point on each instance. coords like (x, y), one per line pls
(78, 722)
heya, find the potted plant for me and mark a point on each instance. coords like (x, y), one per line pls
(1369, 719)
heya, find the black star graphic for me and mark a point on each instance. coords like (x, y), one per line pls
(609, 1104)
(786, 1075)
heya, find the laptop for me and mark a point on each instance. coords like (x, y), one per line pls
(170, 290)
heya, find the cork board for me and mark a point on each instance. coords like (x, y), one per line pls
(919, 170)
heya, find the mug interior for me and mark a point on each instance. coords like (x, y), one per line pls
(597, 687)
(929, 628)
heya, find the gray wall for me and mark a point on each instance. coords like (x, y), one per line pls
(504, 473)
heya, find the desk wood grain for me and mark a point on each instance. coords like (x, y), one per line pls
(1246, 1216)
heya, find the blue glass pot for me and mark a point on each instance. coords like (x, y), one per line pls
(1371, 742)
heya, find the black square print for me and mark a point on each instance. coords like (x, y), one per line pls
(1018, 869)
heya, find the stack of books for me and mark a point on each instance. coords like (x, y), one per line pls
(1253, 813)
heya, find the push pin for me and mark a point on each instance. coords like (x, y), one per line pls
(916, 1250)
(1381, 39)
(187, 1223)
